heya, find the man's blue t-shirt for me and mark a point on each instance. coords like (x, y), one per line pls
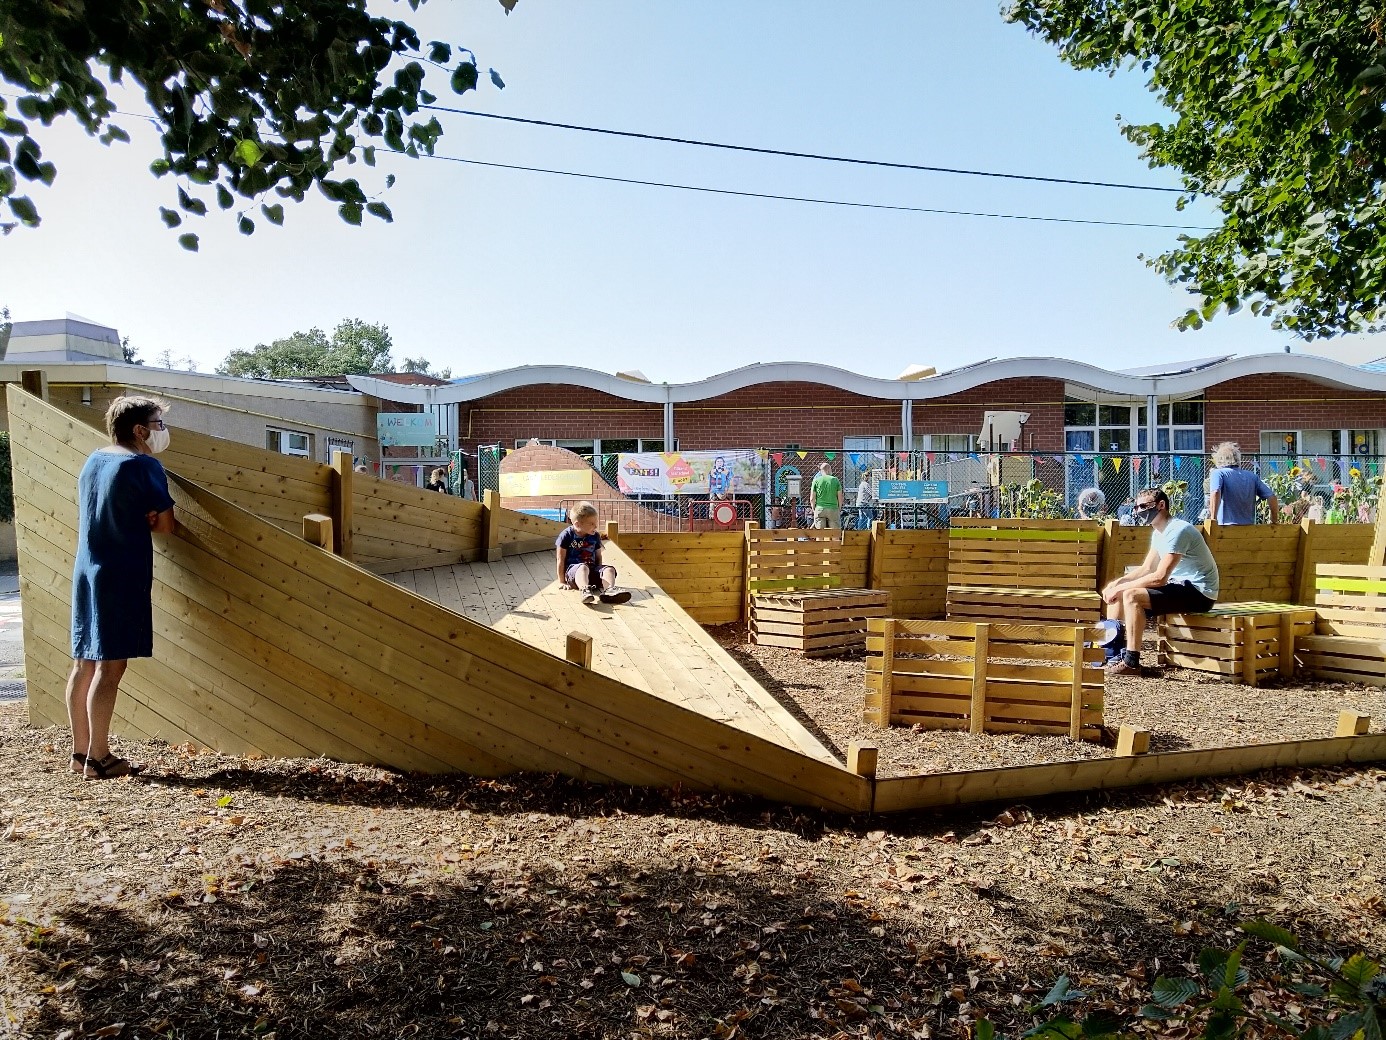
(1196, 564)
(1240, 489)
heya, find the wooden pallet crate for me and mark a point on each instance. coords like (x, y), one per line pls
(985, 678)
(1349, 639)
(1029, 571)
(818, 622)
(1246, 642)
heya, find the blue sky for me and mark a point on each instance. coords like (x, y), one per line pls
(487, 268)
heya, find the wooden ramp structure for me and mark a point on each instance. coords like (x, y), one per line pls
(267, 644)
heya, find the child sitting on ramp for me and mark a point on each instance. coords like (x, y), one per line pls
(579, 558)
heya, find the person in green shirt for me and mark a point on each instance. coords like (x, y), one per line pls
(825, 493)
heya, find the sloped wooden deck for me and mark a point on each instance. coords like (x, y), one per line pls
(650, 643)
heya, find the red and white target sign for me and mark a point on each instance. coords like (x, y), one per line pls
(724, 514)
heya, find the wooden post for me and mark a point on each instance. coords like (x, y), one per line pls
(317, 530)
(862, 759)
(613, 531)
(579, 649)
(35, 381)
(747, 604)
(1304, 563)
(341, 504)
(1075, 709)
(1107, 554)
(1377, 556)
(1351, 724)
(1246, 628)
(1287, 645)
(887, 671)
(491, 525)
(981, 640)
(875, 554)
(1132, 741)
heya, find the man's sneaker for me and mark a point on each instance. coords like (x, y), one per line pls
(615, 595)
(1120, 667)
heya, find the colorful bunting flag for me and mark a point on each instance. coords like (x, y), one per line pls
(778, 456)
(802, 454)
(830, 455)
(1136, 461)
(1116, 463)
(856, 459)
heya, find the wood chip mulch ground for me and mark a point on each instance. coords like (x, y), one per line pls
(228, 897)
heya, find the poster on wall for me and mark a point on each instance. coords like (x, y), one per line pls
(406, 429)
(716, 474)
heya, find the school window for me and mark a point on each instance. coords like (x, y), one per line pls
(1121, 428)
(289, 442)
(1279, 442)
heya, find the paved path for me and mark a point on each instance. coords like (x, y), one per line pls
(11, 636)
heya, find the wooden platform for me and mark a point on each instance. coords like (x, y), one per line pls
(822, 622)
(649, 643)
(1245, 642)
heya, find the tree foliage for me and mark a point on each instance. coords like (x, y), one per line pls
(424, 368)
(355, 348)
(1280, 117)
(253, 98)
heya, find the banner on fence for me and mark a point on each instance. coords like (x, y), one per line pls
(721, 474)
(912, 491)
(561, 483)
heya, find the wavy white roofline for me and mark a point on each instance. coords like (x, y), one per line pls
(1307, 366)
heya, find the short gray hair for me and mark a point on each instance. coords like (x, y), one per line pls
(1227, 454)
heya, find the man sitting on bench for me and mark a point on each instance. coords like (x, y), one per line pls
(1178, 576)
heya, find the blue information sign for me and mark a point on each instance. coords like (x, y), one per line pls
(912, 491)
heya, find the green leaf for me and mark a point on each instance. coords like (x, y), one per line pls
(191, 204)
(248, 152)
(188, 242)
(496, 79)
(23, 210)
(245, 225)
(225, 800)
(274, 214)
(1263, 929)
(47, 173)
(439, 52)
(224, 198)
(389, 180)
(1358, 970)
(630, 979)
(984, 1030)
(464, 77)
(350, 212)
(1062, 990)
(1170, 993)
(159, 167)
(1156, 1012)
(379, 209)
(115, 133)
(171, 217)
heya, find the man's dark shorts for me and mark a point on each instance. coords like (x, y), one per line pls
(1178, 598)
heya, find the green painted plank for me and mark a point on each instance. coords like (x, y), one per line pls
(1351, 584)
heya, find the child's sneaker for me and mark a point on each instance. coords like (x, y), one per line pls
(615, 595)
(590, 597)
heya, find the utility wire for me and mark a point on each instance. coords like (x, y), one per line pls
(801, 155)
(815, 201)
(789, 198)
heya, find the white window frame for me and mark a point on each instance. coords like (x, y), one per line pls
(284, 434)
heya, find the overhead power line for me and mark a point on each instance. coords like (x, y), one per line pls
(802, 155)
(816, 201)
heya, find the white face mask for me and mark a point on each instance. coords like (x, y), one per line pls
(158, 441)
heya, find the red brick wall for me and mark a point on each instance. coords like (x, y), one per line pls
(550, 411)
(1241, 409)
(769, 415)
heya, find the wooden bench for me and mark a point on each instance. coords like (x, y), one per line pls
(985, 678)
(1349, 639)
(1026, 571)
(1245, 642)
(794, 594)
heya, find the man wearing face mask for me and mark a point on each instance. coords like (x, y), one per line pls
(122, 497)
(1178, 576)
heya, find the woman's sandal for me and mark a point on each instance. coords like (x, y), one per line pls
(108, 768)
(79, 762)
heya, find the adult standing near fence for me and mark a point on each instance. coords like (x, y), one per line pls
(826, 495)
(122, 497)
(1233, 492)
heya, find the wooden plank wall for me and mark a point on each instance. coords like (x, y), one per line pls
(1332, 544)
(704, 571)
(1255, 563)
(913, 567)
(1122, 547)
(265, 643)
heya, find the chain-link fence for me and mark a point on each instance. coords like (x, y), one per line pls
(1039, 484)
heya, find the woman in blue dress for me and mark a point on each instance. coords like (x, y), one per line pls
(122, 497)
